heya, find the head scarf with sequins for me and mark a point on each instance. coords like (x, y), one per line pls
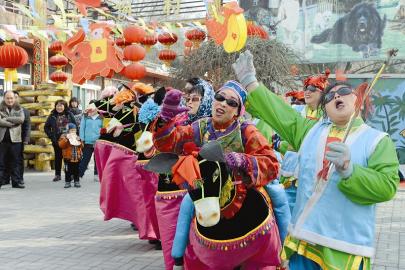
(206, 103)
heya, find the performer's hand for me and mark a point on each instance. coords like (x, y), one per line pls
(171, 105)
(236, 161)
(339, 155)
(245, 70)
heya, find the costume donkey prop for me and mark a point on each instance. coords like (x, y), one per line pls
(234, 226)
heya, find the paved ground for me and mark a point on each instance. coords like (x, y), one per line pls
(48, 227)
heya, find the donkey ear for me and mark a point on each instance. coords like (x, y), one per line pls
(162, 163)
(212, 151)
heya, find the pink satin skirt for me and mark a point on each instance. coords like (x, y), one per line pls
(167, 209)
(127, 191)
(259, 249)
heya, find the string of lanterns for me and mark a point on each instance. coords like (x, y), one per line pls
(58, 61)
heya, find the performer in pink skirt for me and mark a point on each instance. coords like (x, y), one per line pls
(253, 164)
(127, 190)
(197, 96)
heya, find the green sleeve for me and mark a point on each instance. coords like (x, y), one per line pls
(287, 122)
(284, 147)
(376, 183)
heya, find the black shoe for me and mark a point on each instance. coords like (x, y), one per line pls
(57, 178)
(134, 227)
(77, 184)
(18, 185)
(158, 246)
(68, 185)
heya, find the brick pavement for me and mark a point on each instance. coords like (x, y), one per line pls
(48, 227)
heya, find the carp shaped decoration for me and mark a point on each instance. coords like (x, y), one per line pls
(226, 25)
(94, 57)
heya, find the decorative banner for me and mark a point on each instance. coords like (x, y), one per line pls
(333, 31)
(96, 57)
(40, 62)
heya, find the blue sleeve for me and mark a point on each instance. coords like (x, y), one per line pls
(82, 125)
(280, 207)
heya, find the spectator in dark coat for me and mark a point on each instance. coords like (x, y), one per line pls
(55, 126)
(25, 137)
(11, 119)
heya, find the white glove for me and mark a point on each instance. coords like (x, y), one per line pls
(244, 69)
(339, 155)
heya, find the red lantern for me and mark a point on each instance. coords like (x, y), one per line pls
(134, 52)
(148, 41)
(59, 77)
(167, 39)
(134, 71)
(11, 58)
(196, 36)
(56, 46)
(134, 34)
(58, 61)
(121, 42)
(167, 56)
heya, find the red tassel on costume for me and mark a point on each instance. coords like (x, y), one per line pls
(323, 174)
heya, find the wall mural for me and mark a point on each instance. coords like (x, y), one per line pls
(331, 30)
(389, 111)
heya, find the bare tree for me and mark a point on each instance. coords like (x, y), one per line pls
(272, 60)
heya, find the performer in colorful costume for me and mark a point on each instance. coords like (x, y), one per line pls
(198, 99)
(333, 222)
(313, 89)
(253, 163)
(127, 191)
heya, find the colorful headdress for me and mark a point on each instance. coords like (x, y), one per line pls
(320, 81)
(239, 90)
(296, 94)
(108, 92)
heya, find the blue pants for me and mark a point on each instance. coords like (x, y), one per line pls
(298, 262)
(291, 193)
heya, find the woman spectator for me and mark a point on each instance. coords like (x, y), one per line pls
(89, 132)
(55, 126)
(75, 110)
(198, 98)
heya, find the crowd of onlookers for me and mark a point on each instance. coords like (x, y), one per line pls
(71, 131)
